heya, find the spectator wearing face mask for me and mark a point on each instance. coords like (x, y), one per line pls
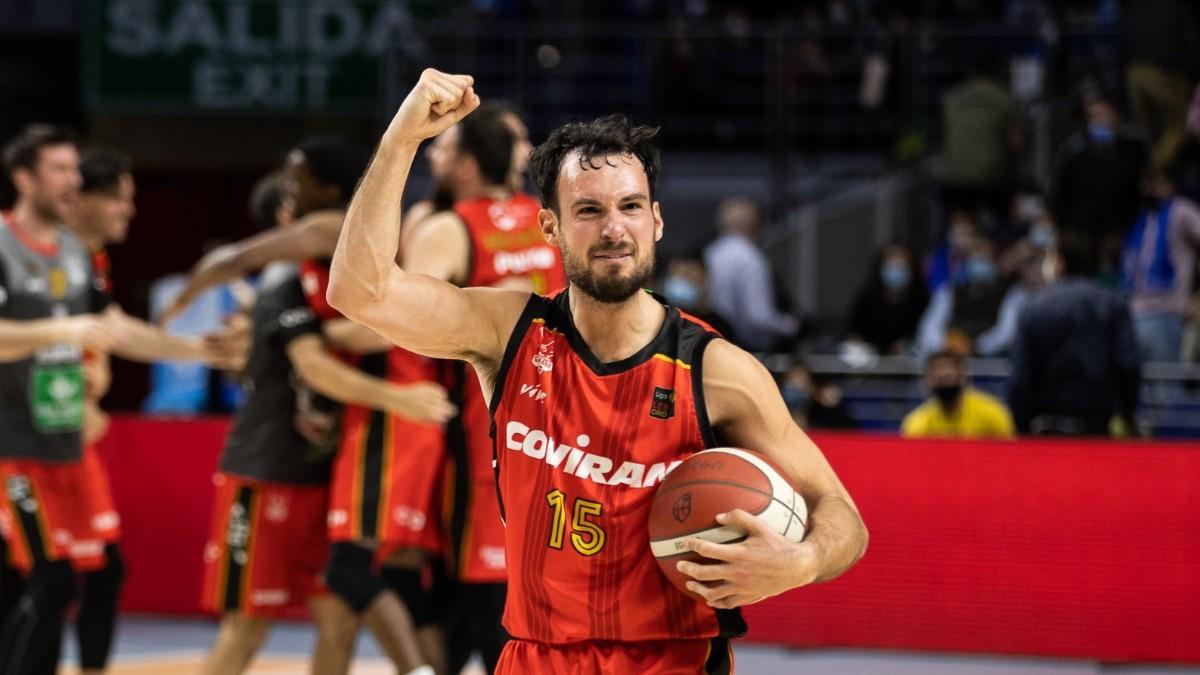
(686, 287)
(945, 262)
(888, 308)
(955, 409)
(1095, 182)
(976, 314)
(1025, 260)
(1158, 267)
(815, 402)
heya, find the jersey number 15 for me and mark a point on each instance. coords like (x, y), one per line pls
(587, 538)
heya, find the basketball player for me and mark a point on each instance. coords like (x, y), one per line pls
(50, 311)
(283, 556)
(586, 455)
(490, 237)
(45, 208)
(102, 217)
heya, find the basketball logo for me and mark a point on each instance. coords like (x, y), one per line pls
(662, 405)
(544, 359)
(682, 508)
(58, 283)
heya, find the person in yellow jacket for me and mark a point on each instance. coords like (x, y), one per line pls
(956, 409)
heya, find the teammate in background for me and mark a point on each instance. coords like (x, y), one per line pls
(55, 340)
(102, 217)
(490, 237)
(318, 178)
(603, 353)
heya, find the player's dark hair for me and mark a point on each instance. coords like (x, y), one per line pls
(265, 199)
(484, 136)
(614, 134)
(335, 162)
(22, 151)
(102, 168)
(956, 358)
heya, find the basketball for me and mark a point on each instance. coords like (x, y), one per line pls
(712, 482)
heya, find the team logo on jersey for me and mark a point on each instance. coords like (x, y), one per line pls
(543, 360)
(502, 217)
(682, 508)
(662, 405)
(277, 509)
(58, 283)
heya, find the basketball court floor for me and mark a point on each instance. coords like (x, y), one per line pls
(160, 646)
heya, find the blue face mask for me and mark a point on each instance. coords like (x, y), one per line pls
(980, 270)
(681, 292)
(1041, 237)
(894, 275)
(1101, 134)
(795, 397)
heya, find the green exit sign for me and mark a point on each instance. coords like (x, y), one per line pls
(244, 56)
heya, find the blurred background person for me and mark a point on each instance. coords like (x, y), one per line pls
(976, 314)
(1075, 362)
(955, 409)
(1095, 181)
(983, 133)
(815, 401)
(741, 281)
(686, 286)
(1160, 70)
(888, 308)
(1158, 267)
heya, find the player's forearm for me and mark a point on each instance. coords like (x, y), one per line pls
(148, 343)
(355, 338)
(365, 258)
(22, 337)
(340, 382)
(838, 538)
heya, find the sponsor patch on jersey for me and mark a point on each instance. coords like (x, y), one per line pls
(662, 404)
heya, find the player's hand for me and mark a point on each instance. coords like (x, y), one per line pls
(229, 348)
(760, 566)
(423, 402)
(438, 102)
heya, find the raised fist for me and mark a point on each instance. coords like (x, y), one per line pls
(438, 102)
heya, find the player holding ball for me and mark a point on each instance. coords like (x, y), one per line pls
(595, 395)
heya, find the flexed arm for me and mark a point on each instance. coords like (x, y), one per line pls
(423, 314)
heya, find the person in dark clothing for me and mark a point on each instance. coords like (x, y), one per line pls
(1075, 360)
(815, 401)
(1160, 70)
(1095, 189)
(889, 307)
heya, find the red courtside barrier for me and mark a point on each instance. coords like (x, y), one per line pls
(1055, 548)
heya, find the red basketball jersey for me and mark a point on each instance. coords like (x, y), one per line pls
(506, 240)
(581, 446)
(314, 279)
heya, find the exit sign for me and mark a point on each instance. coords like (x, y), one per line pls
(244, 56)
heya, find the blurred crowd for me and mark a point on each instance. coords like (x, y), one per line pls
(1078, 279)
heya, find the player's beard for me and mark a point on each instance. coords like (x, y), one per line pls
(610, 289)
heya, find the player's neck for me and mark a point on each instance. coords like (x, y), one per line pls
(616, 331)
(33, 224)
(93, 242)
